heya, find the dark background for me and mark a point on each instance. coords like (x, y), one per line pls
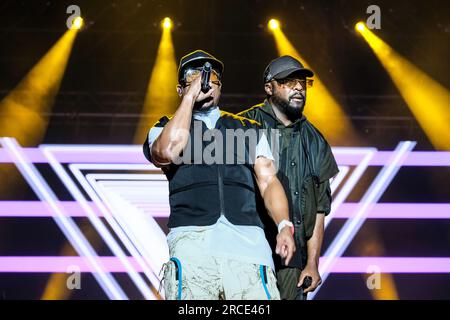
(112, 58)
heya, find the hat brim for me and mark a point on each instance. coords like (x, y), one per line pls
(197, 62)
(288, 72)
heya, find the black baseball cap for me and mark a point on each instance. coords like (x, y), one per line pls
(282, 67)
(196, 59)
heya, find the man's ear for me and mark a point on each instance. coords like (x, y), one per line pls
(179, 90)
(268, 87)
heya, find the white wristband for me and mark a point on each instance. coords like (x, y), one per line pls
(285, 223)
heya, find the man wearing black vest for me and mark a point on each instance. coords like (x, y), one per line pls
(306, 164)
(215, 163)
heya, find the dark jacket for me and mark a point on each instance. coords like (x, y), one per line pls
(199, 193)
(305, 166)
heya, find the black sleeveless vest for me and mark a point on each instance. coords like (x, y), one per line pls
(200, 192)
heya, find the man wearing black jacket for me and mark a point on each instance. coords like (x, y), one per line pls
(306, 164)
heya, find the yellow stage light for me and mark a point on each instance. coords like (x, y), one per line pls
(273, 24)
(428, 100)
(360, 26)
(321, 108)
(25, 109)
(78, 22)
(161, 98)
(167, 23)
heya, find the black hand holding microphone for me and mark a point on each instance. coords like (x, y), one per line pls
(300, 291)
(307, 282)
(206, 75)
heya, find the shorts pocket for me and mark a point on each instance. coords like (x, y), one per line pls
(172, 279)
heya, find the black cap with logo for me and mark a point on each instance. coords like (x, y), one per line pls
(284, 66)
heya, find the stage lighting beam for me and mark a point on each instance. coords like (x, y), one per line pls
(321, 108)
(167, 23)
(274, 24)
(78, 23)
(427, 99)
(161, 97)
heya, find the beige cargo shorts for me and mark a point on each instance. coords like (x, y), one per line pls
(191, 274)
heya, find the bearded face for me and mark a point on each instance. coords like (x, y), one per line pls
(289, 96)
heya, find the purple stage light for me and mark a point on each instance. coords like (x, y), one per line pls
(22, 209)
(133, 154)
(58, 264)
(129, 158)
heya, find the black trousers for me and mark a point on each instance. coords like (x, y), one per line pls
(287, 279)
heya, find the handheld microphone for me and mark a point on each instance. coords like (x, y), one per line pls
(300, 295)
(206, 75)
(307, 282)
